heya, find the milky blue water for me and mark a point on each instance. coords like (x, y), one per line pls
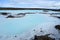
(14, 26)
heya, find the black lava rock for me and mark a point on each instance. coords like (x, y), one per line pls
(4, 13)
(57, 27)
(43, 37)
(10, 16)
(21, 14)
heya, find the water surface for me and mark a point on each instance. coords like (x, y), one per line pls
(18, 26)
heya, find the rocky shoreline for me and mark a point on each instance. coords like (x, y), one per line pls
(46, 36)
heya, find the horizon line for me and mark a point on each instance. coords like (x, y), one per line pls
(13, 8)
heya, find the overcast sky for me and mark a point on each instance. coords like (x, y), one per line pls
(29, 3)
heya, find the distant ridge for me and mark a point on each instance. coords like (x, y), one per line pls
(11, 8)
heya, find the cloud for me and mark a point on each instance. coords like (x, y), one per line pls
(7, 5)
(29, 3)
(57, 4)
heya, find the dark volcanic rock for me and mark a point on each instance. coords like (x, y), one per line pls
(21, 14)
(15, 36)
(10, 16)
(4, 13)
(43, 37)
(58, 17)
(57, 27)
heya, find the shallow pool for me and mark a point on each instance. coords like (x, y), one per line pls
(20, 26)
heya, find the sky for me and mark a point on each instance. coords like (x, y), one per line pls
(29, 3)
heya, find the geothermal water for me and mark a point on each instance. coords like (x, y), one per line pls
(23, 28)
